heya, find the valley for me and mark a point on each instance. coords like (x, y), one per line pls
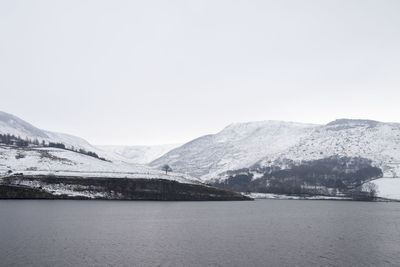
(344, 158)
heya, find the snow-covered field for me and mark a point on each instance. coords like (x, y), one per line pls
(36, 161)
(388, 188)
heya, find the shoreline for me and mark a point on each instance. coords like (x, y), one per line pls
(271, 196)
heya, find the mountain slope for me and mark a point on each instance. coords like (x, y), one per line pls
(257, 145)
(55, 161)
(37, 160)
(139, 154)
(53, 173)
(238, 145)
(10, 124)
(377, 141)
(40, 164)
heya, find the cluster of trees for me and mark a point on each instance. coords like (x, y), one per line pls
(81, 151)
(57, 145)
(366, 192)
(9, 139)
(325, 176)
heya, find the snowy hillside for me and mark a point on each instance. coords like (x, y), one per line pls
(373, 140)
(46, 160)
(274, 143)
(139, 154)
(237, 146)
(60, 162)
(10, 124)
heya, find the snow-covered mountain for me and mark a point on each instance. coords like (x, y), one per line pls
(139, 154)
(36, 160)
(275, 143)
(239, 145)
(252, 146)
(377, 141)
(10, 124)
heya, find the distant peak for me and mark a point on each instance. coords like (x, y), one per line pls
(353, 122)
(266, 123)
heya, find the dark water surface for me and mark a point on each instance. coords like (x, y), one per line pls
(254, 233)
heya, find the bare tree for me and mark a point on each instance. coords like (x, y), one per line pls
(166, 168)
(371, 189)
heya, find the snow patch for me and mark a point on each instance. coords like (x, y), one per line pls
(388, 188)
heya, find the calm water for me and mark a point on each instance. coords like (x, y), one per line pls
(257, 233)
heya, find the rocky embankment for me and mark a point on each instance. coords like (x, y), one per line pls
(56, 187)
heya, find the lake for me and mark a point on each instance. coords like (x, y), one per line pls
(248, 233)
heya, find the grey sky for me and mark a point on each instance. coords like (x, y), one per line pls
(152, 72)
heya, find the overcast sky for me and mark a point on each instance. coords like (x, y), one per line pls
(153, 72)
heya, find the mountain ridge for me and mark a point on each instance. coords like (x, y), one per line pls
(237, 145)
(280, 141)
